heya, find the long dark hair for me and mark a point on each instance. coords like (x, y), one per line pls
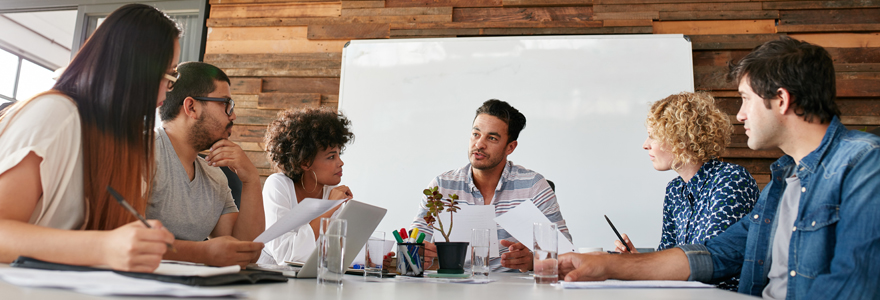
(114, 80)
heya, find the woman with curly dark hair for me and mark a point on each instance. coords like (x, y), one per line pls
(304, 145)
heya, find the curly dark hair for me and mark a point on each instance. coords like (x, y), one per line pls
(296, 136)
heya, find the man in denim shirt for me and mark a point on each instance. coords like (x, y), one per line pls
(815, 231)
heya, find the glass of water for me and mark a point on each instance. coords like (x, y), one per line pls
(331, 249)
(480, 253)
(545, 251)
(374, 252)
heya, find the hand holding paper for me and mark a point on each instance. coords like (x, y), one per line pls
(301, 214)
(519, 220)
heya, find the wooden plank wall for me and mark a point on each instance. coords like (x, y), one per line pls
(287, 54)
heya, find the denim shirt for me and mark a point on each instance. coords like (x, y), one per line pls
(835, 243)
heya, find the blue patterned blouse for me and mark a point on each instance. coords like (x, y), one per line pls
(714, 199)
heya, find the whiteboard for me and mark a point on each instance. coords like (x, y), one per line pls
(412, 103)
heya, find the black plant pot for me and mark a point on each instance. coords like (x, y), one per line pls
(451, 255)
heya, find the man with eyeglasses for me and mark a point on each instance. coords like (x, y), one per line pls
(190, 194)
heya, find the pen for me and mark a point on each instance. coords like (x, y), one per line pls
(414, 234)
(617, 233)
(403, 233)
(421, 238)
(134, 212)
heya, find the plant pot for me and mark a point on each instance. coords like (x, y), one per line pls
(451, 255)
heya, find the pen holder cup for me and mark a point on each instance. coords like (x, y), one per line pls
(409, 259)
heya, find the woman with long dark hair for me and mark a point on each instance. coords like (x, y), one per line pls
(60, 150)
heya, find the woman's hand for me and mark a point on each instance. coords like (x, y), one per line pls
(136, 248)
(620, 248)
(340, 192)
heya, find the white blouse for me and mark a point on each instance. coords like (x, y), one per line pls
(49, 126)
(279, 198)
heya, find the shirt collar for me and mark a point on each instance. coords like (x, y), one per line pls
(811, 161)
(702, 176)
(506, 175)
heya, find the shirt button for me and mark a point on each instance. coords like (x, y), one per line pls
(814, 223)
(794, 228)
(761, 262)
(756, 217)
(803, 190)
(793, 273)
(767, 221)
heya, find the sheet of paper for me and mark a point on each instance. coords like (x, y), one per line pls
(647, 284)
(301, 214)
(519, 221)
(444, 280)
(466, 220)
(100, 283)
(176, 269)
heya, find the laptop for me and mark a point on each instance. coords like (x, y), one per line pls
(362, 221)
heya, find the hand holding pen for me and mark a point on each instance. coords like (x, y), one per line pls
(623, 245)
(130, 209)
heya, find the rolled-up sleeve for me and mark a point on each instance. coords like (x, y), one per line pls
(700, 262)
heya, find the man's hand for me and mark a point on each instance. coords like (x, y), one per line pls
(226, 251)
(225, 153)
(583, 266)
(519, 256)
(620, 248)
(430, 255)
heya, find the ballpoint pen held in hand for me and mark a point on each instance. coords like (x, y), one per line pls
(134, 212)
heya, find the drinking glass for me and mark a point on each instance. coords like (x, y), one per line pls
(545, 251)
(374, 252)
(331, 250)
(480, 253)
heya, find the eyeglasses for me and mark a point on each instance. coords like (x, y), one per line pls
(230, 104)
(172, 79)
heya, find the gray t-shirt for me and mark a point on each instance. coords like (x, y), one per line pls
(788, 209)
(189, 209)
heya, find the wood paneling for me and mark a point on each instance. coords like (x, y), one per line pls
(349, 31)
(283, 54)
(507, 14)
(716, 27)
(276, 10)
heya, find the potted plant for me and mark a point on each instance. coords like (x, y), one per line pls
(450, 254)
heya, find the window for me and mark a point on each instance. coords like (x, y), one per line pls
(23, 79)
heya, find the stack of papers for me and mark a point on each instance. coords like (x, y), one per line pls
(174, 268)
(647, 284)
(101, 283)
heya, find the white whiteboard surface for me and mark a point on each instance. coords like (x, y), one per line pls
(412, 103)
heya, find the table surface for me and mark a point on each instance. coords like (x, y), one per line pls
(507, 286)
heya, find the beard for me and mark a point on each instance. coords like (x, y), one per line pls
(200, 134)
(491, 161)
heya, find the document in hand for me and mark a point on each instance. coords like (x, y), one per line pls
(467, 218)
(106, 283)
(647, 284)
(301, 214)
(519, 222)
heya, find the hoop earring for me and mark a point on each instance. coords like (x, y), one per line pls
(302, 182)
(316, 182)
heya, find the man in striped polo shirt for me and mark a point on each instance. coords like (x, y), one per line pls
(490, 179)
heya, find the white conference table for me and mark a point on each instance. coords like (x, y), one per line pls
(508, 286)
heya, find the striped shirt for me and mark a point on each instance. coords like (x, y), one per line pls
(517, 184)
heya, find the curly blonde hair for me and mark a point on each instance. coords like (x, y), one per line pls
(690, 127)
